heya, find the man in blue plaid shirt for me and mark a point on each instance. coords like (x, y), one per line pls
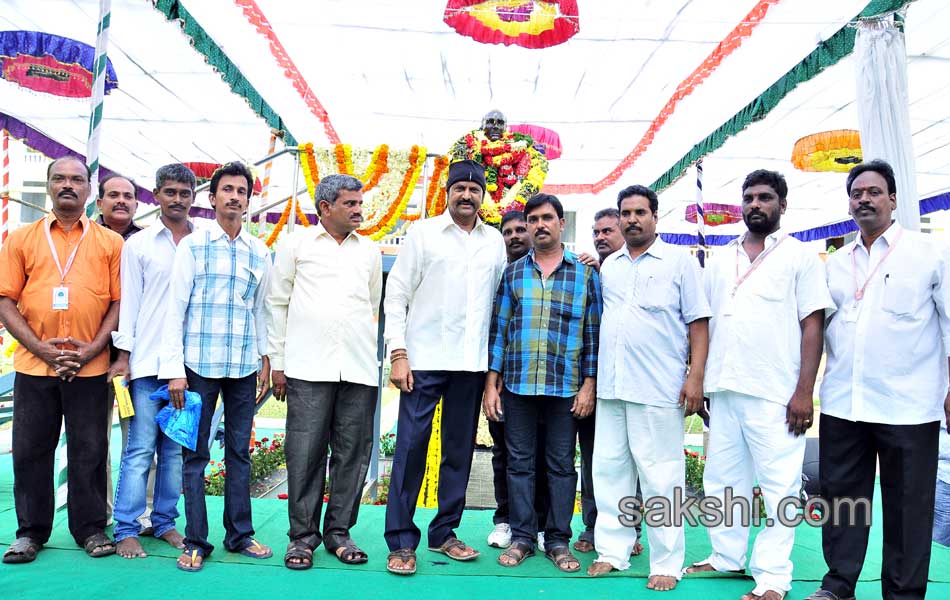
(215, 342)
(544, 339)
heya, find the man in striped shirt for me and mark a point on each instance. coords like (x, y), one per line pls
(544, 339)
(215, 343)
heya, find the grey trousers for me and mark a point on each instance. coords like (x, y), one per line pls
(321, 414)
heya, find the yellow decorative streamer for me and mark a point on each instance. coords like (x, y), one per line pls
(429, 494)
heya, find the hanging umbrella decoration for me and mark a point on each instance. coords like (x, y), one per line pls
(716, 214)
(50, 64)
(204, 170)
(527, 23)
(546, 141)
(835, 151)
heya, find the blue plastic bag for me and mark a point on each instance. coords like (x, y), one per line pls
(180, 425)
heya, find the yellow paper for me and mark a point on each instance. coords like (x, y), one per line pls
(122, 397)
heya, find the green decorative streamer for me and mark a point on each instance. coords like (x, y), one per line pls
(828, 53)
(175, 11)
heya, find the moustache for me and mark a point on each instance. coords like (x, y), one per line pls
(865, 208)
(121, 207)
(67, 193)
(541, 231)
(632, 229)
(176, 206)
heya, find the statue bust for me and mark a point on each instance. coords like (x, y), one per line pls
(514, 169)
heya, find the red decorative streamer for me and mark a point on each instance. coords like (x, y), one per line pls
(725, 48)
(255, 17)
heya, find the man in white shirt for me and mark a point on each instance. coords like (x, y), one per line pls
(147, 261)
(884, 393)
(768, 296)
(326, 286)
(655, 316)
(438, 309)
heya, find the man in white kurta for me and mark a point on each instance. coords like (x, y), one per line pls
(655, 313)
(768, 295)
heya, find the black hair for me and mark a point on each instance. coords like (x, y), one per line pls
(233, 168)
(773, 179)
(639, 190)
(881, 167)
(539, 200)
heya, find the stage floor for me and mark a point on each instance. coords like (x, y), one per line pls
(63, 571)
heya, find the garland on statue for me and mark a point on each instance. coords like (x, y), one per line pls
(514, 170)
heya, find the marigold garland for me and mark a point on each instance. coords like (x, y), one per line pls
(436, 191)
(378, 166)
(280, 224)
(398, 207)
(514, 169)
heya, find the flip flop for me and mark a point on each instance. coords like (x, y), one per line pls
(247, 551)
(192, 553)
(453, 544)
(405, 555)
(518, 552)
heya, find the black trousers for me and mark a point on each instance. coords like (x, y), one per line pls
(41, 405)
(321, 414)
(849, 452)
(461, 393)
(499, 465)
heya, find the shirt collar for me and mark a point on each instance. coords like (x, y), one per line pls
(568, 257)
(769, 239)
(217, 232)
(658, 249)
(83, 220)
(889, 235)
(319, 230)
(448, 221)
(132, 227)
(156, 228)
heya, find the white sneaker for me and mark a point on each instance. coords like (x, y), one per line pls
(500, 537)
(541, 541)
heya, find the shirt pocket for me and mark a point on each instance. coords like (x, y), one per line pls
(246, 286)
(567, 306)
(901, 297)
(772, 287)
(657, 294)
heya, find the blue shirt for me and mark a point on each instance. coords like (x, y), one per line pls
(544, 331)
(216, 322)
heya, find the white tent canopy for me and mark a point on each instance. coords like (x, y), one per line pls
(390, 71)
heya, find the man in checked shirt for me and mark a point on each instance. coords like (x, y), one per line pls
(544, 338)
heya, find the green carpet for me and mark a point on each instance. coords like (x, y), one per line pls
(62, 568)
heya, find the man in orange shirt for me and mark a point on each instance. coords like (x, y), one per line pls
(59, 296)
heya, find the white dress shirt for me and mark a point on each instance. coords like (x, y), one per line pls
(887, 353)
(755, 334)
(644, 340)
(439, 294)
(322, 307)
(147, 260)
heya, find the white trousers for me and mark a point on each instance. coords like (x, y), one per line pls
(749, 442)
(632, 440)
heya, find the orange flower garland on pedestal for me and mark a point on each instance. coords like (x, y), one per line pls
(435, 195)
(397, 207)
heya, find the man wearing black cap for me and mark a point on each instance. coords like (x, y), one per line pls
(438, 307)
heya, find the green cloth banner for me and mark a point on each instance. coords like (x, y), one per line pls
(173, 10)
(825, 55)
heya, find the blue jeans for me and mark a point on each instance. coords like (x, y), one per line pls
(941, 533)
(145, 440)
(238, 398)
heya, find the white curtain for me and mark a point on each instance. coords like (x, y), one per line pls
(883, 110)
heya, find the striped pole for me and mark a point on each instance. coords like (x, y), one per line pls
(700, 216)
(5, 190)
(265, 184)
(98, 92)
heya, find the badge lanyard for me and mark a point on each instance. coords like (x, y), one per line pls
(72, 257)
(859, 292)
(755, 264)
